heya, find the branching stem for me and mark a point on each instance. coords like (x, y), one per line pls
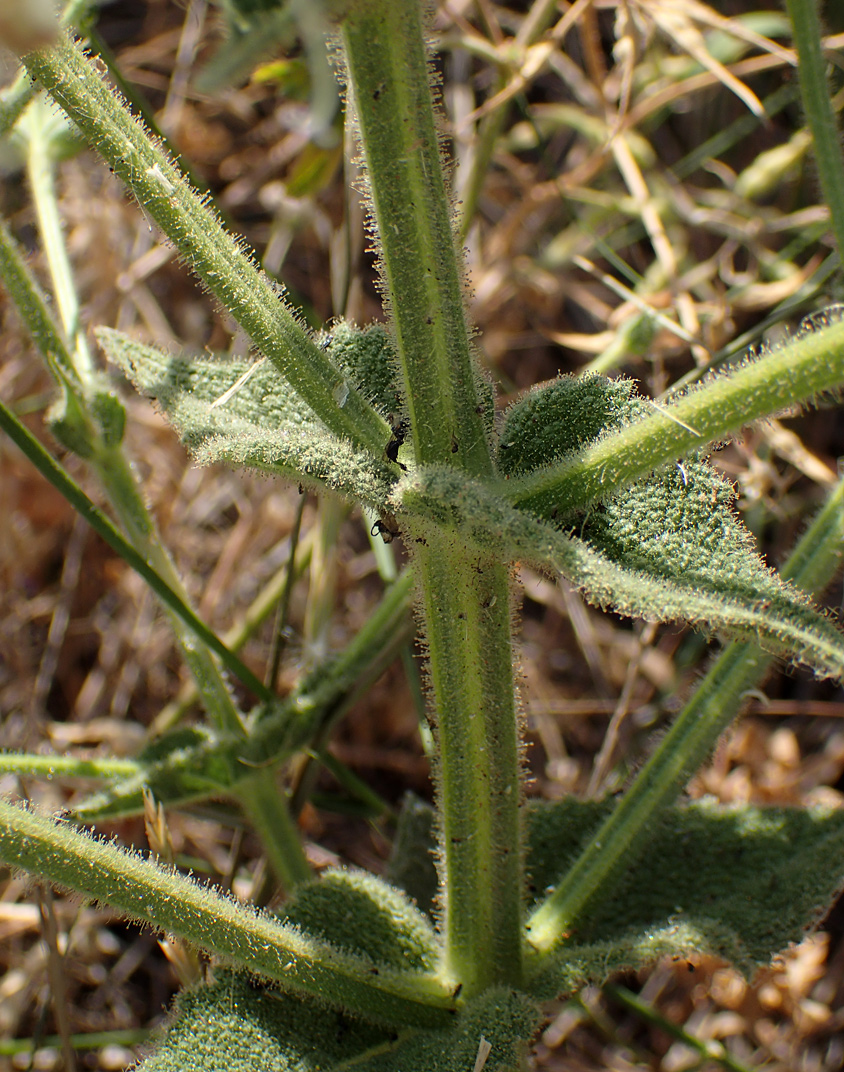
(217, 258)
(180, 906)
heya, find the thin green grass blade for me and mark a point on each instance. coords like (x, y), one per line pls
(64, 483)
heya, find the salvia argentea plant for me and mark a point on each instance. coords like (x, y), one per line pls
(582, 477)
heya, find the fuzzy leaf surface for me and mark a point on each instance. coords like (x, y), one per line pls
(678, 522)
(190, 763)
(233, 1026)
(261, 424)
(235, 1023)
(740, 883)
(363, 915)
(699, 567)
(193, 763)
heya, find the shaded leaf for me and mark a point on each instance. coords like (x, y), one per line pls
(191, 763)
(195, 762)
(247, 415)
(187, 763)
(232, 1026)
(502, 1019)
(235, 1026)
(411, 865)
(740, 883)
(362, 914)
(368, 356)
(556, 419)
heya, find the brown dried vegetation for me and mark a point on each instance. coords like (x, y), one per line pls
(630, 170)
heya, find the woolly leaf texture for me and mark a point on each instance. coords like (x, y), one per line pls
(755, 606)
(668, 546)
(678, 522)
(739, 883)
(246, 415)
(237, 1023)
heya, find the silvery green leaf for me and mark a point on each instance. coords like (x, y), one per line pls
(246, 415)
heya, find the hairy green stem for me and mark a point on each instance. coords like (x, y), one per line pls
(815, 91)
(283, 728)
(144, 891)
(804, 366)
(62, 482)
(468, 624)
(41, 135)
(32, 307)
(143, 551)
(714, 705)
(122, 490)
(464, 597)
(389, 80)
(37, 766)
(92, 1040)
(217, 258)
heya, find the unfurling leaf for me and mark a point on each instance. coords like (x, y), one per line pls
(561, 417)
(361, 914)
(368, 356)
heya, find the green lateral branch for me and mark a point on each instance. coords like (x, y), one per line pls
(80, 502)
(470, 666)
(714, 705)
(32, 308)
(81, 401)
(390, 83)
(216, 257)
(285, 727)
(804, 366)
(169, 901)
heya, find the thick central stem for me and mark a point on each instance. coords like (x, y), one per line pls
(464, 596)
(389, 79)
(479, 795)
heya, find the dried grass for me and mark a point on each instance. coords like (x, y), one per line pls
(631, 173)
